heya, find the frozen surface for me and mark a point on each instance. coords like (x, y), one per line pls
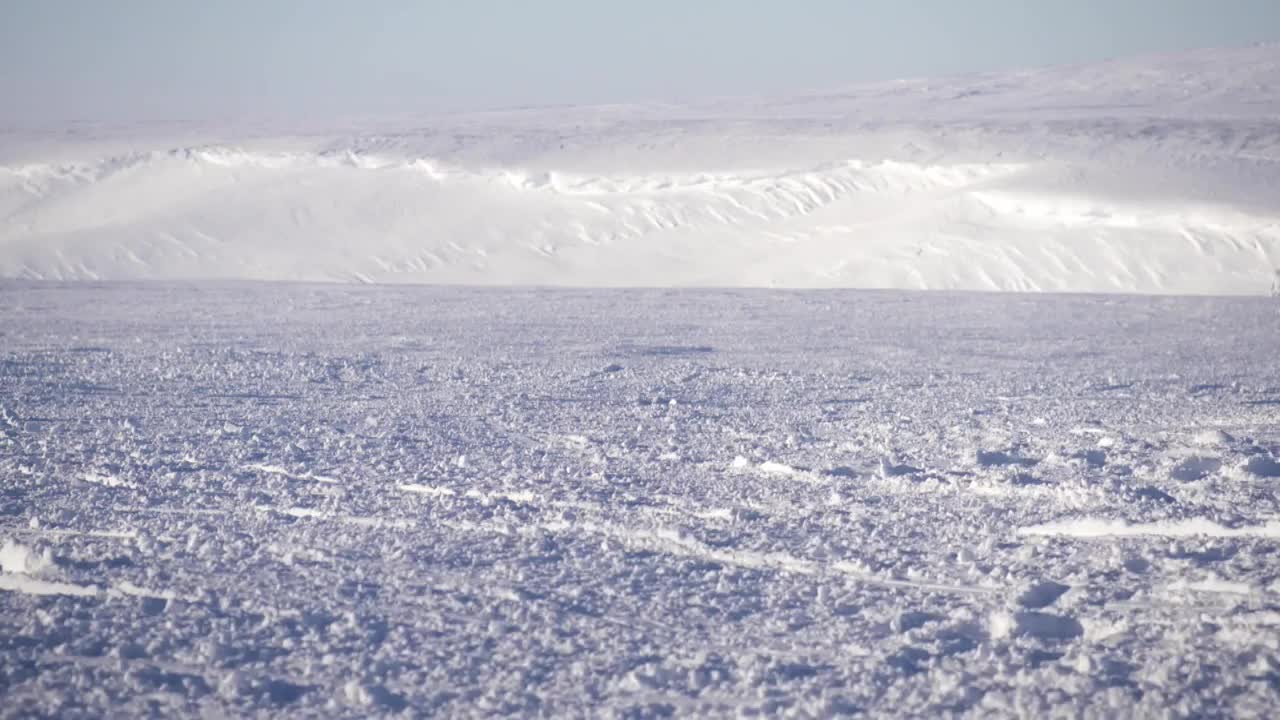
(247, 499)
(1153, 175)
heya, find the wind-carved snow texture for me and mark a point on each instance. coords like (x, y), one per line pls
(240, 500)
(1153, 176)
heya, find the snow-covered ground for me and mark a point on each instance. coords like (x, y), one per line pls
(1156, 175)
(251, 499)
(224, 498)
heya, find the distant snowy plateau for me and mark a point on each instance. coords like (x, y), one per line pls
(1156, 176)
(223, 498)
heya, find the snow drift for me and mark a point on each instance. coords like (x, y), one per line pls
(1159, 175)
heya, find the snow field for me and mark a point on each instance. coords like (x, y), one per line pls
(262, 498)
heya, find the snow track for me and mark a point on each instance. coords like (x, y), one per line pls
(338, 500)
(1180, 528)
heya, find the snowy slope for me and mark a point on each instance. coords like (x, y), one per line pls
(1157, 175)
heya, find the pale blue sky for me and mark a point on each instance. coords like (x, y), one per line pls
(120, 60)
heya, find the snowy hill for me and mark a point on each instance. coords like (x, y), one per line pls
(1156, 175)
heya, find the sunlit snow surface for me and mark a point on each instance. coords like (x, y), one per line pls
(1152, 175)
(253, 499)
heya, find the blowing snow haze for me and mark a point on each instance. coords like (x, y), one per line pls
(533, 409)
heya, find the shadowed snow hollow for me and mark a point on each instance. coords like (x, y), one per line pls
(1154, 176)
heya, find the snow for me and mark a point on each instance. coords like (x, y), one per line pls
(20, 566)
(678, 501)
(564, 495)
(1153, 175)
(106, 480)
(32, 586)
(16, 558)
(1189, 527)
